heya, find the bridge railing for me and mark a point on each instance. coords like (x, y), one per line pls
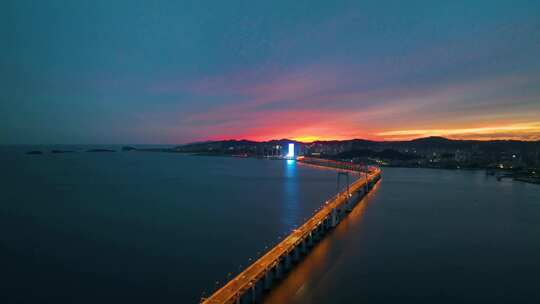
(333, 164)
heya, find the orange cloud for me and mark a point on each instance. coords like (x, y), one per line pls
(528, 130)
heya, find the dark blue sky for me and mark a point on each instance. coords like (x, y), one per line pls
(180, 71)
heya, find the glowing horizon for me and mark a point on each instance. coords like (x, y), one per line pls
(529, 131)
(523, 131)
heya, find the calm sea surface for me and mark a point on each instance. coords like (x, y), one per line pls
(162, 228)
(141, 227)
(428, 236)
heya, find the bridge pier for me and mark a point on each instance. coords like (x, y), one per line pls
(245, 298)
(304, 245)
(257, 291)
(366, 187)
(334, 217)
(319, 233)
(315, 234)
(326, 223)
(277, 270)
(357, 197)
(309, 240)
(349, 204)
(288, 261)
(296, 253)
(268, 279)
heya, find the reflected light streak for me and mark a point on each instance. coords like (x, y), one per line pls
(291, 202)
(300, 280)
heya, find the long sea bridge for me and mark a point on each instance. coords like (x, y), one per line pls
(249, 285)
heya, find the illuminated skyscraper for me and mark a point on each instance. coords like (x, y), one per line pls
(290, 154)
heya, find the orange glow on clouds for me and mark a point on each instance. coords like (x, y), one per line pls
(528, 131)
(318, 103)
(516, 131)
(307, 138)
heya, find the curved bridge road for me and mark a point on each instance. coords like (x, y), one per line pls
(233, 291)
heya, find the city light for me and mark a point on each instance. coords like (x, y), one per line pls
(290, 154)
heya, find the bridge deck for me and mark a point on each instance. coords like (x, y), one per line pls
(245, 280)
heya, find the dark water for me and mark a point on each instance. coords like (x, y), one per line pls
(141, 227)
(161, 228)
(428, 236)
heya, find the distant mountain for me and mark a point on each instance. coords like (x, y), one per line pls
(384, 154)
(436, 152)
(433, 142)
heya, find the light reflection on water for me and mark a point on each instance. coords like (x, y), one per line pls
(428, 236)
(300, 281)
(147, 220)
(290, 199)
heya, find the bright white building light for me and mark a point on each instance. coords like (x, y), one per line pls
(290, 154)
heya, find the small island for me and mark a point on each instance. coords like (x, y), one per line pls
(128, 148)
(34, 152)
(100, 150)
(62, 151)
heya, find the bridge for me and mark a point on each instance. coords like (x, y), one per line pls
(249, 285)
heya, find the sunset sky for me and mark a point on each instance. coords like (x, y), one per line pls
(79, 72)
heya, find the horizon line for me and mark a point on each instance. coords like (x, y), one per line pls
(364, 139)
(270, 140)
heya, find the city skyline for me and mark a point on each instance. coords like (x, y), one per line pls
(180, 72)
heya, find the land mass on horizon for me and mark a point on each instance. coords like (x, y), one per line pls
(431, 152)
